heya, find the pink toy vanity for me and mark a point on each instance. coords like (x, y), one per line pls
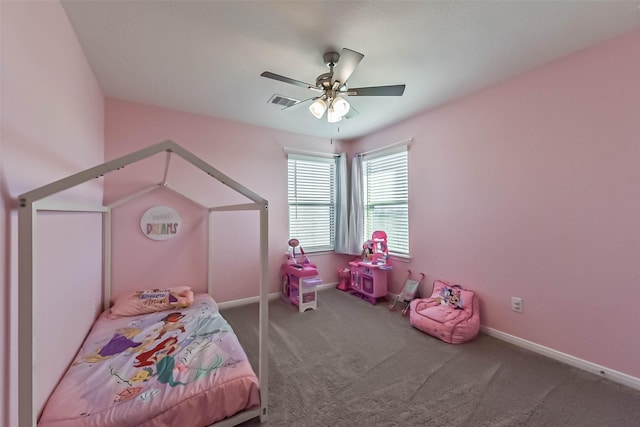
(299, 285)
(299, 279)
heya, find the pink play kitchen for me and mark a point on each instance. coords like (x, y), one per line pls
(369, 275)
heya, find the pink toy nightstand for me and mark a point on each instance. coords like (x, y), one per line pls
(299, 285)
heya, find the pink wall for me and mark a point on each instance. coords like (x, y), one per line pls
(52, 126)
(251, 155)
(172, 261)
(529, 189)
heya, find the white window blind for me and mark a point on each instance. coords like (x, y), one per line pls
(386, 197)
(312, 201)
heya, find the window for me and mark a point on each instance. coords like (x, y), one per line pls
(312, 201)
(386, 197)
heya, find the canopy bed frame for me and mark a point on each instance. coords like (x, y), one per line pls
(32, 202)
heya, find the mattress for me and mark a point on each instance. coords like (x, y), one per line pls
(168, 368)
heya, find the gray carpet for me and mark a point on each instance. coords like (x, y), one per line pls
(350, 363)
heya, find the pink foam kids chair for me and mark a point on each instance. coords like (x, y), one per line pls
(451, 313)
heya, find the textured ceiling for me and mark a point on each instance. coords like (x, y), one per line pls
(206, 57)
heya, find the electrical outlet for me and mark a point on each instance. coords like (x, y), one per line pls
(516, 304)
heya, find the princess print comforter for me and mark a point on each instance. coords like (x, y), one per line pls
(175, 367)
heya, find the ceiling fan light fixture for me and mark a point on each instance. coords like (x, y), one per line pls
(330, 86)
(318, 108)
(333, 116)
(340, 106)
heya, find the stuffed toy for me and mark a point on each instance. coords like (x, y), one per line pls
(367, 250)
(451, 297)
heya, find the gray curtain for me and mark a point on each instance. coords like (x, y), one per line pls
(342, 205)
(356, 214)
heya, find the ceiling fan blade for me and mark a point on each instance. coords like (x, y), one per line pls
(349, 60)
(284, 79)
(393, 90)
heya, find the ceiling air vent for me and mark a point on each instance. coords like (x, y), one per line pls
(283, 101)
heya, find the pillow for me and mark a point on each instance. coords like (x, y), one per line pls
(151, 300)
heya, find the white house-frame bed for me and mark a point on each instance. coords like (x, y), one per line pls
(31, 202)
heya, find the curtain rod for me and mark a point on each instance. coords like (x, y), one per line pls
(308, 153)
(386, 147)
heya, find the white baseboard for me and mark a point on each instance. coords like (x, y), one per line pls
(244, 301)
(594, 368)
(275, 295)
(324, 286)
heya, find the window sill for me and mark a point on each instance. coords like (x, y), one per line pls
(401, 258)
(320, 252)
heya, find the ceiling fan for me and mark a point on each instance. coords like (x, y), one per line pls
(332, 86)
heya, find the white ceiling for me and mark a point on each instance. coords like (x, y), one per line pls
(206, 57)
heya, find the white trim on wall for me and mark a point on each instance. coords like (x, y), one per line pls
(403, 143)
(272, 296)
(594, 368)
(299, 151)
